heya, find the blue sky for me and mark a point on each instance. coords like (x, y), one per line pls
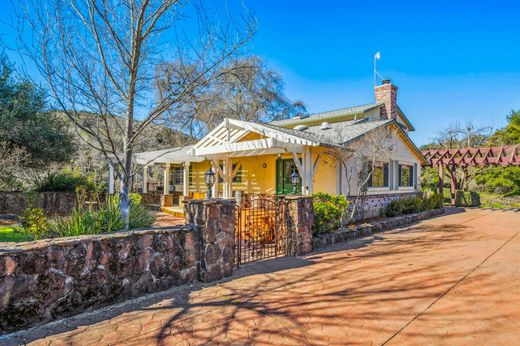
(453, 61)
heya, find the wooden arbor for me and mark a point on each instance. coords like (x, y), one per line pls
(477, 157)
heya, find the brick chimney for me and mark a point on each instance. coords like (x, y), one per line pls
(387, 93)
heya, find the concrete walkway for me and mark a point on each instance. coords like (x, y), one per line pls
(450, 280)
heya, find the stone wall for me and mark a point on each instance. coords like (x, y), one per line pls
(367, 229)
(51, 202)
(50, 279)
(216, 220)
(300, 218)
(374, 204)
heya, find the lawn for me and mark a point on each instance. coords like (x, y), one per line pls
(9, 234)
(498, 201)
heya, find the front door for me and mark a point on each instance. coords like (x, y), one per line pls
(284, 169)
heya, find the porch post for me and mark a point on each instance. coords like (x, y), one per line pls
(110, 178)
(214, 193)
(145, 179)
(186, 179)
(309, 171)
(227, 178)
(166, 178)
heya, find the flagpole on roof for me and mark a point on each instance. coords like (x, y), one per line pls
(377, 56)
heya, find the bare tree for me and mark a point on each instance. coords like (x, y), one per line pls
(359, 160)
(244, 89)
(101, 57)
(457, 136)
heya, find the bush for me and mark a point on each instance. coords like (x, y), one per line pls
(411, 205)
(106, 219)
(463, 199)
(34, 222)
(329, 212)
(66, 181)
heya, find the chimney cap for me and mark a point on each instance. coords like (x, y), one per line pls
(386, 81)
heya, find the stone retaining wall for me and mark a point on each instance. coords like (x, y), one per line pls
(374, 204)
(51, 202)
(371, 228)
(50, 279)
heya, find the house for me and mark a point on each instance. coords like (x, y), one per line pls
(259, 158)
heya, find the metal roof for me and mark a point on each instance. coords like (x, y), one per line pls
(172, 155)
(327, 115)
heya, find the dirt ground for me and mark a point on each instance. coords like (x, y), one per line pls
(450, 280)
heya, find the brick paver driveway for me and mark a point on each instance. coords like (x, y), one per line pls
(451, 280)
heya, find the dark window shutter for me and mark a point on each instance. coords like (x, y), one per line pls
(369, 169)
(385, 174)
(414, 183)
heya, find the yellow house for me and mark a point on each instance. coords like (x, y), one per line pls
(325, 150)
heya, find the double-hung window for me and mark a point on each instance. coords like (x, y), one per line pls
(379, 177)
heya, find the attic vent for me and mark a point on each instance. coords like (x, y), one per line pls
(301, 127)
(325, 126)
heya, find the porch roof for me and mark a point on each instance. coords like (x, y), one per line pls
(172, 155)
(225, 140)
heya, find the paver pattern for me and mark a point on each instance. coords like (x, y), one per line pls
(449, 280)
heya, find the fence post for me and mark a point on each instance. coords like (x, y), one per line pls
(215, 219)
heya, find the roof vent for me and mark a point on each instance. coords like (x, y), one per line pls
(300, 116)
(301, 127)
(325, 126)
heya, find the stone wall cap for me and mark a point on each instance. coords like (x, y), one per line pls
(10, 248)
(210, 201)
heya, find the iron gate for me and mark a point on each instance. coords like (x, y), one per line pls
(260, 230)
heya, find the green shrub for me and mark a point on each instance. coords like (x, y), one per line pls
(463, 199)
(329, 212)
(66, 181)
(136, 198)
(34, 222)
(106, 219)
(411, 205)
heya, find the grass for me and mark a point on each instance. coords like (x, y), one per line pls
(489, 200)
(9, 234)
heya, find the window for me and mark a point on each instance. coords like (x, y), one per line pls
(406, 175)
(177, 176)
(379, 175)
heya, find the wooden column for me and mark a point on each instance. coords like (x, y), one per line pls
(441, 178)
(217, 176)
(110, 178)
(166, 179)
(145, 179)
(452, 185)
(186, 179)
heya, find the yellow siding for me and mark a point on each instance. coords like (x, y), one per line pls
(259, 179)
(325, 178)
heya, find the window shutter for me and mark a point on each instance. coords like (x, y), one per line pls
(391, 175)
(368, 169)
(385, 174)
(398, 182)
(414, 176)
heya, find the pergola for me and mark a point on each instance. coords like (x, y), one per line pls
(225, 142)
(470, 157)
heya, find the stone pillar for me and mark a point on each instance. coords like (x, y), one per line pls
(300, 218)
(215, 219)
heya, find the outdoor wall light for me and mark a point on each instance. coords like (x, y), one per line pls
(209, 179)
(295, 181)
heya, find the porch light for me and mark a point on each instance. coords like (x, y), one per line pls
(209, 179)
(295, 181)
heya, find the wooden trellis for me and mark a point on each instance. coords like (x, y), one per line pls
(477, 157)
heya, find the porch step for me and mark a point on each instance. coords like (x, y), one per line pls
(172, 212)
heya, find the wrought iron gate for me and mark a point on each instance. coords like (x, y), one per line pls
(260, 230)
